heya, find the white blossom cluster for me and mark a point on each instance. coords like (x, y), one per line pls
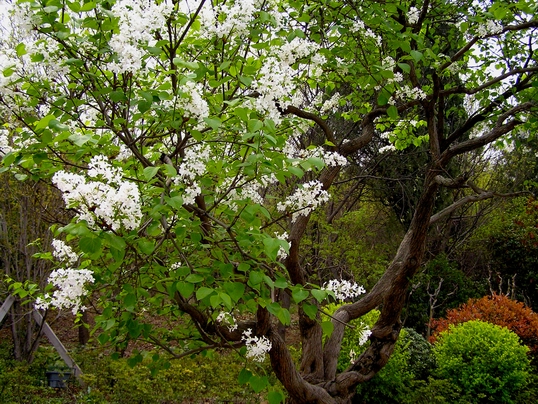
(343, 289)
(413, 15)
(304, 200)
(331, 104)
(249, 190)
(228, 320)
(282, 254)
(138, 20)
(274, 83)
(228, 18)
(276, 80)
(70, 289)
(387, 148)
(490, 27)
(330, 158)
(359, 27)
(5, 147)
(63, 253)
(192, 166)
(108, 199)
(192, 102)
(408, 93)
(398, 78)
(296, 49)
(365, 335)
(257, 347)
(363, 338)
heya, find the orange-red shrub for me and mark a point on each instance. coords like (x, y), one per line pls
(496, 309)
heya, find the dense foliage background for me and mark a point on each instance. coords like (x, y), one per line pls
(301, 187)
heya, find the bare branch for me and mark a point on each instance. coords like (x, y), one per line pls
(495, 80)
(483, 195)
(290, 109)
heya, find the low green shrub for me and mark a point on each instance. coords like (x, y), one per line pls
(411, 360)
(485, 361)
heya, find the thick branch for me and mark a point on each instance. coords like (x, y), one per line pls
(471, 199)
(312, 117)
(480, 141)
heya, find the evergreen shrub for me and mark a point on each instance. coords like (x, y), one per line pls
(487, 362)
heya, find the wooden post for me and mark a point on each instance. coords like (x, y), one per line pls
(5, 307)
(55, 341)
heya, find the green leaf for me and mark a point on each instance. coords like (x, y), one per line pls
(258, 383)
(243, 267)
(88, 6)
(226, 300)
(416, 55)
(383, 98)
(319, 295)
(144, 106)
(44, 122)
(129, 301)
(405, 67)
(188, 65)
(275, 397)
(170, 170)
(89, 245)
(296, 171)
(254, 125)
(50, 9)
(311, 310)
(146, 246)
(299, 294)
(185, 288)
(327, 327)
(194, 278)
(392, 112)
(244, 376)
(213, 123)
(20, 49)
(175, 202)
(114, 241)
(117, 96)
(236, 290)
(281, 283)
(255, 277)
(203, 292)
(150, 172)
(284, 317)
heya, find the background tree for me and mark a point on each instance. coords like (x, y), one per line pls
(182, 136)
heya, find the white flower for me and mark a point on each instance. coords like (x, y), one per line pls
(365, 335)
(413, 15)
(194, 162)
(330, 158)
(109, 199)
(228, 320)
(229, 18)
(304, 200)
(138, 21)
(405, 92)
(491, 27)
(387, 148)
(343, 289)
(331, 104)
(282, 254)
(257, 347)
(70, 289)
(62, 252)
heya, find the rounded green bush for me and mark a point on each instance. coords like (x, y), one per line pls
(486, 361)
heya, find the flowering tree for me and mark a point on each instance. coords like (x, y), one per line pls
(193, 140)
